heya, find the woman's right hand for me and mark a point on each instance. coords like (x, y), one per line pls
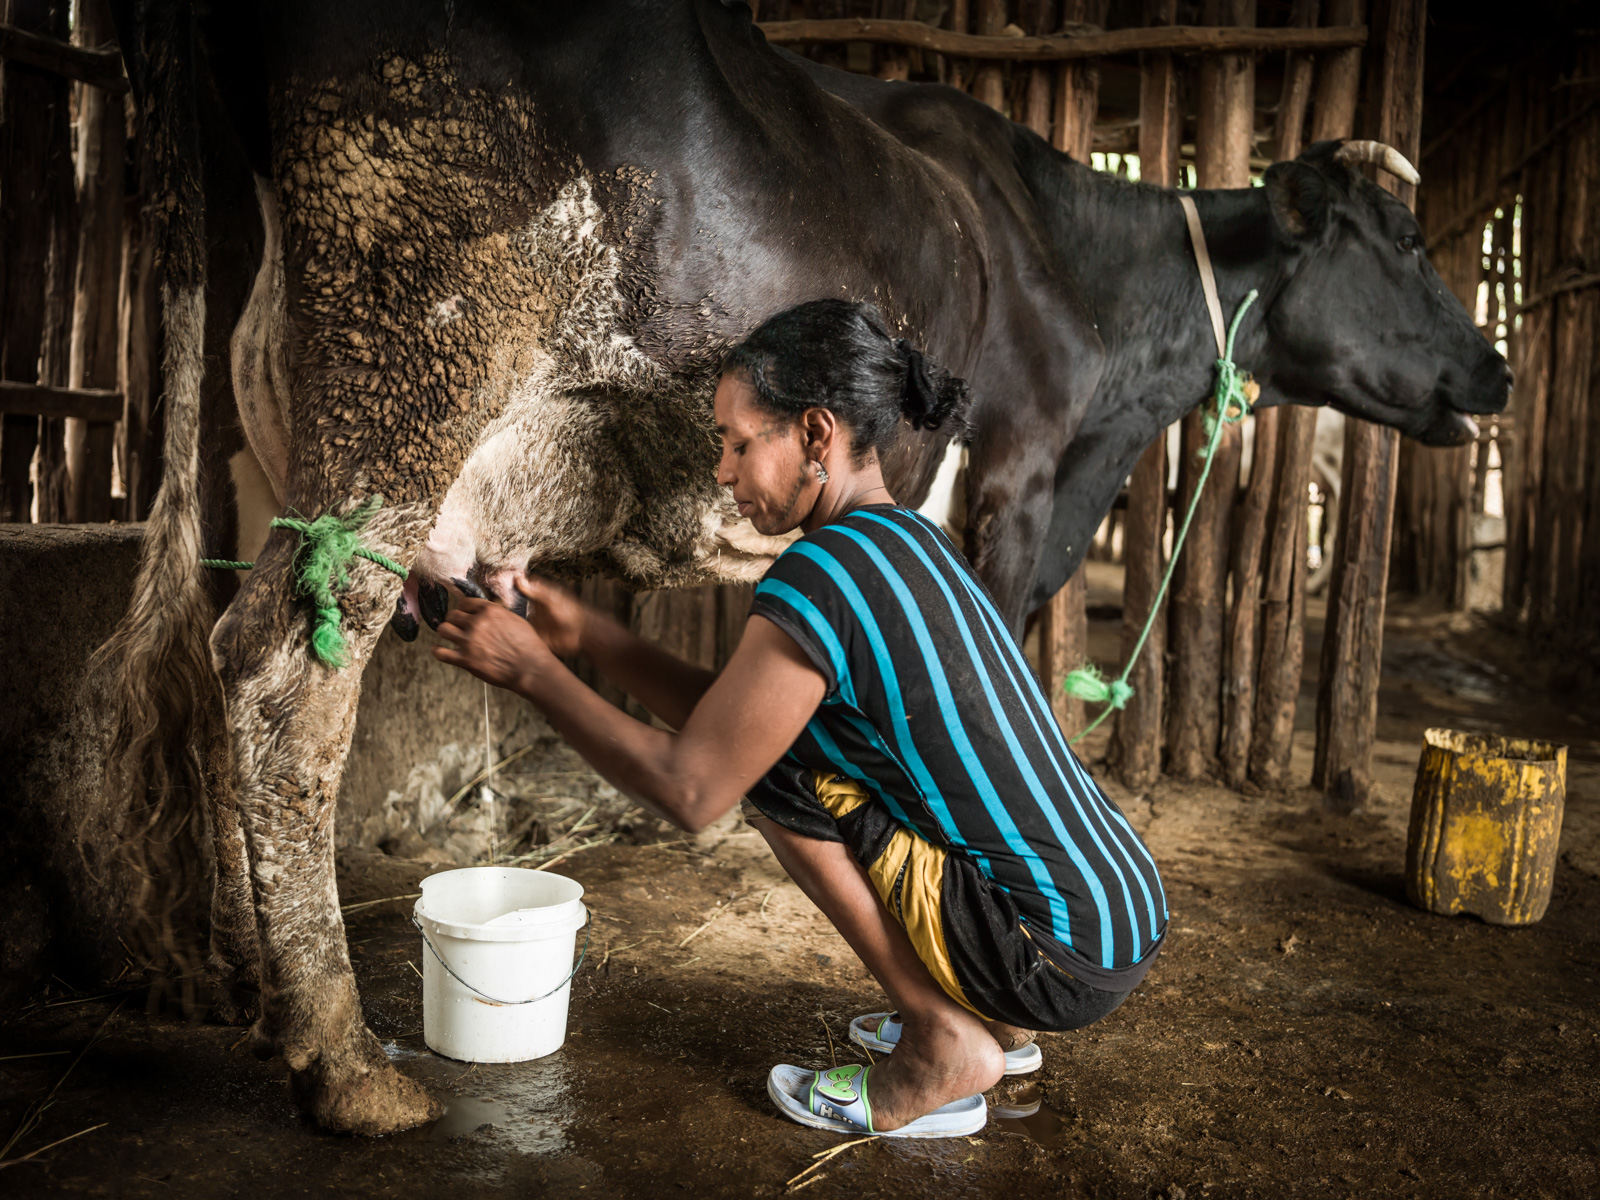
(556, 613)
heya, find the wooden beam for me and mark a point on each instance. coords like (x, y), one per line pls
(101, 68)
(1190, 39)
(1575, 284)
(37, 400)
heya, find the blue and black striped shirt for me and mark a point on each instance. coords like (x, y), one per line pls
(933, 708)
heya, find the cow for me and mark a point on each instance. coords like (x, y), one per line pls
(1350, 315)
(471, 269)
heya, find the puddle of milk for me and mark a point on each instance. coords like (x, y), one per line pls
(528, 1104)
(1026, 1112)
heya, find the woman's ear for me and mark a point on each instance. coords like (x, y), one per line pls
(818, 429)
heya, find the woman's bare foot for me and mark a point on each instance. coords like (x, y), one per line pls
(1011, 1037)
(942, 1055)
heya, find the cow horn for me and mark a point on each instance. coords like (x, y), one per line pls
(1387, 157)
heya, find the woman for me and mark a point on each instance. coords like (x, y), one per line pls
(897, 752)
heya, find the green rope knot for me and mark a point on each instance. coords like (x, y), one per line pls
(1235, 394)
(1090, 686)
(327, 546)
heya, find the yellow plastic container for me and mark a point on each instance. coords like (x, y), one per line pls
(1485, 826)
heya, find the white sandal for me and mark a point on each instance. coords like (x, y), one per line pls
(835, 1099)
(880, 1033)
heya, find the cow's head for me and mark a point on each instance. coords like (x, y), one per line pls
(1363, 321)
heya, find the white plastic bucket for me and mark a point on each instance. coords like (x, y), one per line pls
(497, 961)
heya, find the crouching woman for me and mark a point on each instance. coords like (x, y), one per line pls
(886, 734)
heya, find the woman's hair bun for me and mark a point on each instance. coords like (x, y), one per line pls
(932, 396)
(841, 355)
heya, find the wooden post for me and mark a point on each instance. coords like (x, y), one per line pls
(1078, 86)
(1249, 549)
(894, 62)
(1222, 160)
(1283, 600)
(1352, 644)
(958, 19)
(1525, 586)
(1573, 324)
(34, 157)
(1038, 16)
(1064, 622)
(1135, 751)
(92, 360)
(989, 81)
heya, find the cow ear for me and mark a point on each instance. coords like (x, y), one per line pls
(1299, 197)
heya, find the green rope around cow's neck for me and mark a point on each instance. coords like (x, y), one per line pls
(1232, 406)
(327, 546)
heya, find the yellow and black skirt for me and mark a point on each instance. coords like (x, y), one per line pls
(966, 929)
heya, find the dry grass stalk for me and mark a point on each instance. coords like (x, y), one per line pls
(10, 1162)
(721, 908)
(821, 1158)
(832, 1054)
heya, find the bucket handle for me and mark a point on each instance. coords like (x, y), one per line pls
(588, 924)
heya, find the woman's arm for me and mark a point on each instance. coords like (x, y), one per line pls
(662, 682)
(744, 722)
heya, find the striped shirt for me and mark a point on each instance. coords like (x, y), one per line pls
(933, 708)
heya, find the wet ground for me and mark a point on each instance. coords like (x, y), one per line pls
(1305, 1033)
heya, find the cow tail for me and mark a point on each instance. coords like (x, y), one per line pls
(168, 747)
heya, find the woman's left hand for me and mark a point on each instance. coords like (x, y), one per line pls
(493, 643)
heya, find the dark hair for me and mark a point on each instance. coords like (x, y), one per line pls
(839, 355)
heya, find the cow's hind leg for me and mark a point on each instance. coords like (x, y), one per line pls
(291, 719)
(233, 958)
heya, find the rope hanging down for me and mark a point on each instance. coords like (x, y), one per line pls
(1234, 394)
(327, 546)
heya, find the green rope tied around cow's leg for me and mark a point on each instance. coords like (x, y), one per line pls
(327, 545)
(1233, 400)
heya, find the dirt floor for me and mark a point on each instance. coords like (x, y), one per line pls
(1305, 1033)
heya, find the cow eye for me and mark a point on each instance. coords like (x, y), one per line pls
(1408, 244)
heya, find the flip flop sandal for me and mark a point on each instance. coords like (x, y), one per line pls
(880, 1033)
(835, 1099)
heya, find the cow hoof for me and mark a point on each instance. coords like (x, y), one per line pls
(434, 601)
(234, 989)
(403, 623)
(361, 1093)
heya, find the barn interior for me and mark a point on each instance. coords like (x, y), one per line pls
(1310, 1029)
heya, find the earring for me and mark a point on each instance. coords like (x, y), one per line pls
(822, 473)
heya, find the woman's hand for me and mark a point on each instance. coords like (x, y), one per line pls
(492, 643)
(557, 614)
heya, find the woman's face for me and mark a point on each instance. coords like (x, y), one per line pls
(764, 459)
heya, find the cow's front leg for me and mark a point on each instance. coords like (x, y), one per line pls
(291, 718)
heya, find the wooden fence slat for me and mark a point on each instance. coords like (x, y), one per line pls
(1135, 750)
(1064, 622)
(1191, 39)
(1352, 647)
(1337, 87)
(92, 363)
(1222, 160)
